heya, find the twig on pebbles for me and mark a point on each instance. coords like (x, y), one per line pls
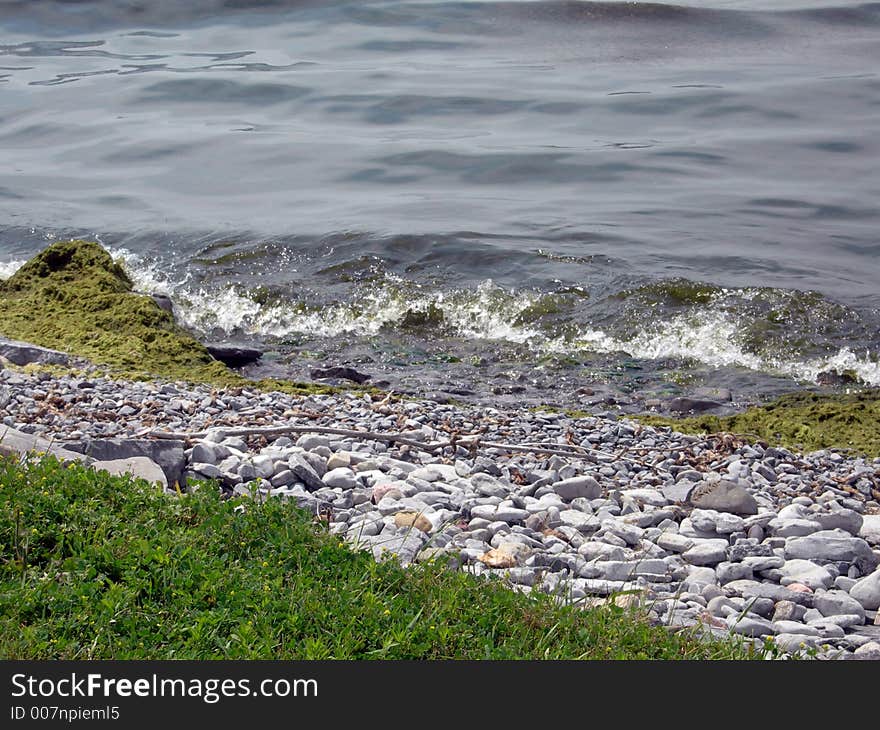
(473, 443)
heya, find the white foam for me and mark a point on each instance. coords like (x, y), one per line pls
(710, 338)
(8, 268)
(489, 312)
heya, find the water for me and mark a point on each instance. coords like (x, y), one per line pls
(647, 193)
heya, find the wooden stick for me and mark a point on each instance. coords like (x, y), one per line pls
(474, 442)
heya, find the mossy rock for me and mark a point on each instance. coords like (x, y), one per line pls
(801, 421)
(74, 297)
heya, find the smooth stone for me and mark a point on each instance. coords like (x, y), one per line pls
(867, 591)
(208, 471)
(413, 519)
(630, 534)
(728, 572)
(788, 611)
(844, 519)
(493, 512)
(18, 443)
(795, 627)
(793, 527)
(584, 486)
(760, 563)
(677, 493)
(754, 589)
(167, 453)
(836, 603)
(704, 520)
(870, 529)
(594, 549)
(721, 606)
(675, 543)
(871, 651)
(338, 460)
(708, 552)
(723, 496)
(795, 643)
(138, 466)
(342, 478)
(727, 523)
(807, 573)
(751, 626)
(488, 486)
(630, 570)
(834, 545)
(579, 520)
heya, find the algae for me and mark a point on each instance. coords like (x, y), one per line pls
(802, 421)
(74, 297)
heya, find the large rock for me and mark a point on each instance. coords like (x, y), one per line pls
(706, 553)
(585, 486)
(837, 603)
(753, 589)
(835, 545)
(723, 496)
(139, 466)
(806, 572)
(842, 519)
(867, 591)
(168, 454)
(24, 353)
(870, 529)
(305, 471)
(17, 444)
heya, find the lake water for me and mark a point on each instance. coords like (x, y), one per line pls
(641, 192)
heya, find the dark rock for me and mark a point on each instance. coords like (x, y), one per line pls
(339, 372)
(234, 356)
(692, 405)
(164, 302)
(24, 353)
(168, 454)
(832, 377)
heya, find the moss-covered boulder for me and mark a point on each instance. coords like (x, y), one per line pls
(802, 421)
(74, 297)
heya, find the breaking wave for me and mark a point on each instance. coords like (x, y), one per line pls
(711, 330)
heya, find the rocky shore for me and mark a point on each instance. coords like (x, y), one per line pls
(737, 538)
(726, 533)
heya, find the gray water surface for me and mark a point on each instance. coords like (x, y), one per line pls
(689, 184)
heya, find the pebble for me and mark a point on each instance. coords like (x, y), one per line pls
(744, 535)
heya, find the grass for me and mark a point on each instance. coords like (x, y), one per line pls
(100, 567)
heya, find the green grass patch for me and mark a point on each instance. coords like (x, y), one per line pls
(801, 421)
(94, 566)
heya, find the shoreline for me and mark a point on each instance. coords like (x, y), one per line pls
(729, 533)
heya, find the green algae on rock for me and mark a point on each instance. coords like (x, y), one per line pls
(803, 421)
(74, 297)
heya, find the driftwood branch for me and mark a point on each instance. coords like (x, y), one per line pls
(473, 442)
